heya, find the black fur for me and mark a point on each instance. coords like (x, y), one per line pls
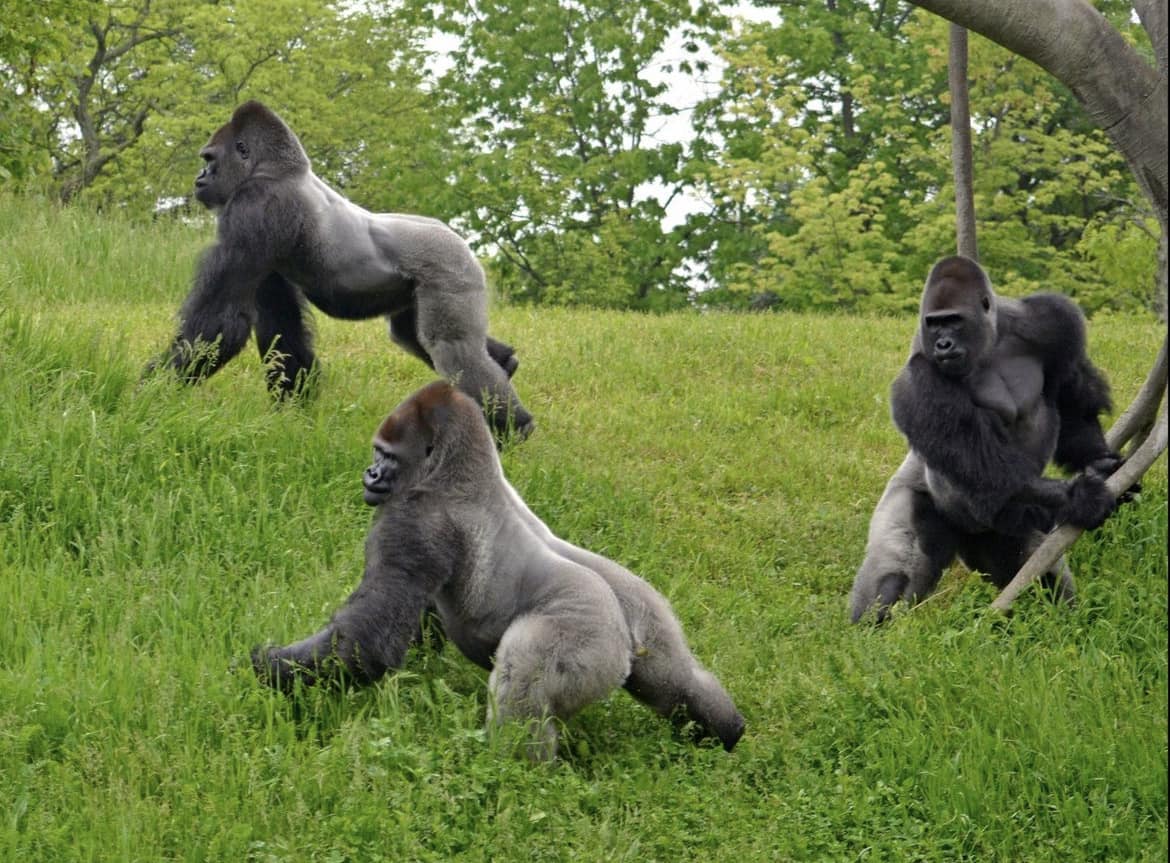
(286, 239)
(994, 389)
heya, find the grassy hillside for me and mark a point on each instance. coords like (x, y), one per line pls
(150, 535)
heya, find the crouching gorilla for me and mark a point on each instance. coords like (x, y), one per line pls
(285, 237)
(993, 390)
(558, 626)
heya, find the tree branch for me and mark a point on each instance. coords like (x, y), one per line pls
(1061, 539)
(1140, 414)
(961, 154)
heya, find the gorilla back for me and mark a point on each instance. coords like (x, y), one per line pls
(558, 626)
(286, 238)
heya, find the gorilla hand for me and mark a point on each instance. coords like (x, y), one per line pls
(1089, 502)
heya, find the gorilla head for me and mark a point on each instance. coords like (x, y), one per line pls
(405, 443)
(957, 323)
(254, 141)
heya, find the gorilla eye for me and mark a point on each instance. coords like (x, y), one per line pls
(986, 303)
(242, 149)
(430, 449)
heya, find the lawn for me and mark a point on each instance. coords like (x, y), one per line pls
(150, 535)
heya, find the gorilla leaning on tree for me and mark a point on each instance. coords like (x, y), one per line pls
(285, 237)
(559, 626)
(994, 389)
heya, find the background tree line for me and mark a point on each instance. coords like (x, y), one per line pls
(649, 155)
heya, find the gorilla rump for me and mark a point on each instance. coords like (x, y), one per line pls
(993, 390)
(559, 627)
(286, 238)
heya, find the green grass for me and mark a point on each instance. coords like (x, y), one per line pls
(149, 535)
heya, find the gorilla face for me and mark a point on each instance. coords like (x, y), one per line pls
(948, 336)
(957, 327)
(402, 445)
(225, 164)
(379, 479)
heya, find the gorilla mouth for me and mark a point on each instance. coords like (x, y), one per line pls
(952, 364)
(375, 493)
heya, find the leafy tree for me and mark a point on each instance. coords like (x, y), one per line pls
(812, 155)
(833, 187)
(566, 184)
(123, 95)
(26, 31)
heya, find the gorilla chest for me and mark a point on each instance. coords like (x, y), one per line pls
(1012, 388)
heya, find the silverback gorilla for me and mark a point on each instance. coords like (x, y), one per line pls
(285, 237)
(558, 626)
(993, 390)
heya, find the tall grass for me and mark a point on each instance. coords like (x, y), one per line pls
(149, 535)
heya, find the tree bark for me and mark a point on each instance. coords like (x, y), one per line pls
(961, 154)
(1135, 422)
(1152, 14)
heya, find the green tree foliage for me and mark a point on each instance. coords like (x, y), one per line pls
(817, 175)
(831, 188)
(565, 183)
(119, 97)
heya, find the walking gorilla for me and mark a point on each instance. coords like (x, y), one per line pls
(993, 390)
(559, 627)
(285, 237)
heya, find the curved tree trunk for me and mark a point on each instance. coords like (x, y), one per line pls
(1122, 93)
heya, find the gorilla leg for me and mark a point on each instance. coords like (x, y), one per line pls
(459, 351)
(283, 336)
(909, 545)
(1000, 557)
(664, 674)
(668, 679)
(404, 333)
(546, 670)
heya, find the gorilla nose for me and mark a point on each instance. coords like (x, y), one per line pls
(944, 345)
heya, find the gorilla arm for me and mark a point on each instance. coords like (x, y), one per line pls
(1053, 329)
(380, 620)
(218, 314)
(367, 636)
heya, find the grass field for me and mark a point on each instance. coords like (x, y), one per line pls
(150, 535)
